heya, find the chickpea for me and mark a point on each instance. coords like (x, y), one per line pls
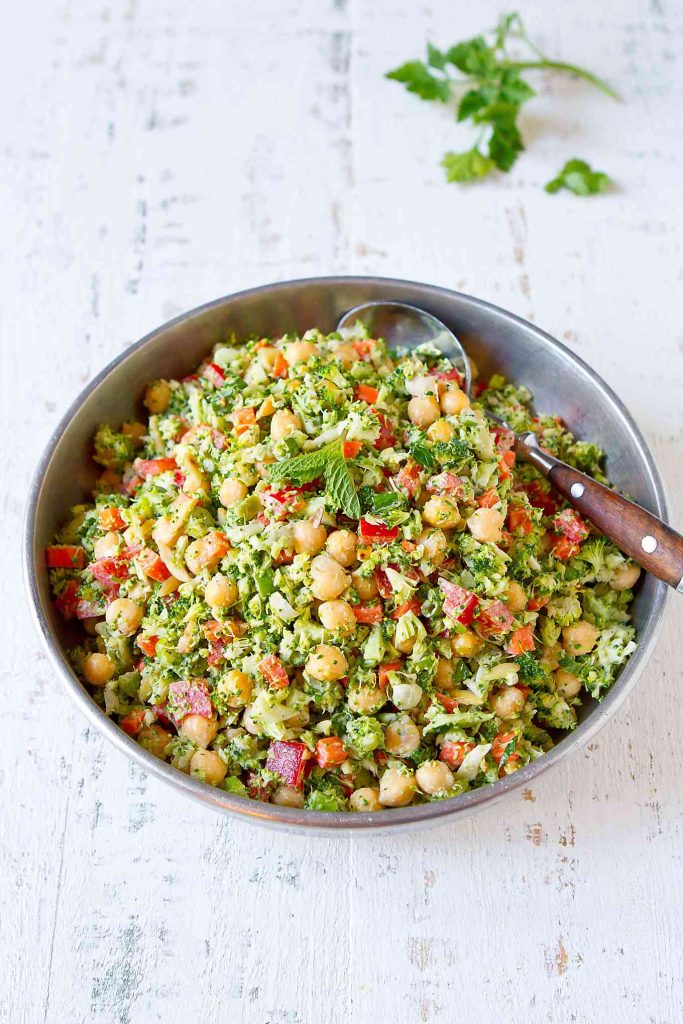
(210, 764)
(300, 352)
(107, 546)
(328, 578)
(366, 587)
(566, 683)
(248, 722)
(551, 655)
(402, 737)
(434, 777)
(232, 491)
(365, 799)
(235, 687)
(423, 411)
(442, 512)
(346, 354)
(195, 481)
(466, 644)
(625, 577)
(98, 669)
(327, 663)
(440, 430)
(434, 544)
(507, 703)
(445, 672)
(206, 552)
(220, 592)
(124, 616)
(158, 396)
(337, 615)
(366, 700)
(579, 638)
(309, 539)
(454, 401)
(486, 525)
(283, 424)
(341, 545)
(134, 430)
(405, 645)
(397, 787)
(516, 598)
(288, 796)
(155, 739)
(199, 730)
(267, 356)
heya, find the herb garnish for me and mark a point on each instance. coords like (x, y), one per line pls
(329, 462)
(490, 92)
(579, 178)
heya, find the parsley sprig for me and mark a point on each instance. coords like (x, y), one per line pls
(486, 82)
(329, 462)
(579, 177)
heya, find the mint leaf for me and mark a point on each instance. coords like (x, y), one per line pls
(419, 79)
(339, 483)
(578, 177)
(302, 468)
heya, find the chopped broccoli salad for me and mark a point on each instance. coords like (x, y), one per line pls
(315, 575)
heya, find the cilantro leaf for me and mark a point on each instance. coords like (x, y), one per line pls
(467, 166)
(418, 78)
(578, 177)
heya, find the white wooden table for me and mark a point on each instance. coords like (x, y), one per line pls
(154, 156)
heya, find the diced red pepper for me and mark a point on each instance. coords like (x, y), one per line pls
(382, 581)
(377, 532)
(65, 556)
(413, 605)
(153, 467)
(448, 375)
(132, 722)
(453, 752)
(409, 478)
(564, 549)
(280, 367)
(385, 669)
(519, 519)
(365, 393)
(504, 438)
(495, 619)
(352, 448)
(151, 565)
(459, 603)
(111, 519)
(570, 524)
(148, 645)
(499, 744)
(284, 502)
(243, 419)
(132, 486)
(387, 437)
(521, 640)
(257, 788)
(330, 752)
(288, 758)
(189, 697)
(367, 614)
(489, 499)
(215, 374)
(273, 672)
(534, 603)
(449, 703)
(446, 483)
(540, 498)
(89, 610)
(364, 347)
(505, 464)
(67, 602)
(110, 572)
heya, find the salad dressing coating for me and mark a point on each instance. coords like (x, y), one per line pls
(315, 575)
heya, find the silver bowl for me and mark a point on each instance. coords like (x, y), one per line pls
(561, 382)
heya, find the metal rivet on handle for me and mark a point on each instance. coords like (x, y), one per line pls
(648, 544)
(576, 490)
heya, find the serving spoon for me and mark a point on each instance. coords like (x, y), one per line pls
(646, 538)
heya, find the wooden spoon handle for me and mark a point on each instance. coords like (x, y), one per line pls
(646, 538)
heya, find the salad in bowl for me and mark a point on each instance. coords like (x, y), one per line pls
(313, 574)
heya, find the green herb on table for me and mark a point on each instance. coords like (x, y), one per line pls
(580, 178)
(487, 84)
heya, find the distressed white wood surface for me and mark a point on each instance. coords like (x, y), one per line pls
(156, 155)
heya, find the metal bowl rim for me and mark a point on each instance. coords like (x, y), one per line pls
(323, 822)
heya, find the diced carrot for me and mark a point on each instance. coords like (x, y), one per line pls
(132, 722)
(280, 366)
(330, 752)
(413, 605)
(364, 347)
(148, 645)
(519, 518)
(273, 672)
(368, 614)
(151, 565)
(521, 640)
(365, 393)
(385, 669)
(243, 419)
(488, 499)
(352, 448)
(111, 519)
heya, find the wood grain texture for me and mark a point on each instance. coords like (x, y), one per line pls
(154, 156)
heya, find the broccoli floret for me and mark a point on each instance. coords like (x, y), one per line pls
(113, 449)
(364, 734)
